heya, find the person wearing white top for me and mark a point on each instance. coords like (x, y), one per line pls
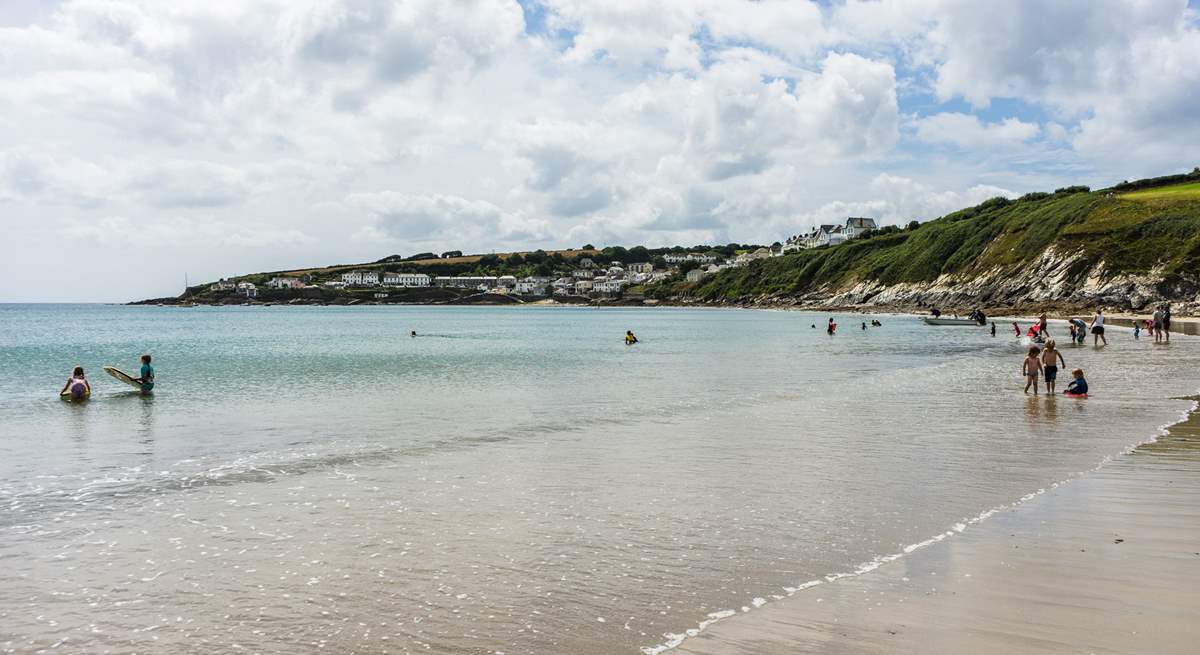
(1098, 328)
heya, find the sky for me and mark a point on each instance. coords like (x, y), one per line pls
(144, 141)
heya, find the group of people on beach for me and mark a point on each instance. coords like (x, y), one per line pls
(1045, 363)
(79, 388)
(1158, 325)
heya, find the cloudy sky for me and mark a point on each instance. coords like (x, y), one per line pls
(143, 140)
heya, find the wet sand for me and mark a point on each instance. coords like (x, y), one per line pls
(1107, 563)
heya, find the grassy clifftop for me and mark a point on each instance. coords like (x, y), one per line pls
(1133, 228)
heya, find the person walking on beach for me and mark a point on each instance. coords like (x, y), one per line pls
(146, 375)
(1098, 328)
(1051, 358)
(1031, 368)
(1167, 322)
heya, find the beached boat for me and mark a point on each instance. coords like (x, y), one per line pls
(930, 320)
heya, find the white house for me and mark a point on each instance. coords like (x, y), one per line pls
(466, 282)
(678, 258)
(285, 283)
(247, 289)
(406, 279)
(616, 271)
(582, 274)
(640, 267)
(608, 286)
(675, 257)
(506, 281)
(586, 262)
(334, 284)
(531, 286)
(695, 275)
(582, 287)
(361, 278)
(855, 227)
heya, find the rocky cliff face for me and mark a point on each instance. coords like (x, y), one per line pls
(1055, 280)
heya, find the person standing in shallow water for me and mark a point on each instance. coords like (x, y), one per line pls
(1098, 328)
(1051, 357)
(1031, 368)
(832, 327)
(146, 375)
(1167, 322)
(993, 328)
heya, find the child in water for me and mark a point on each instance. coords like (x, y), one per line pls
(146, 375)
(1078, 386)
(1051, 357)
(629, 338)
(77, 384)
(1031, 368)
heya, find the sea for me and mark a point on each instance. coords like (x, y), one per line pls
(513, 479)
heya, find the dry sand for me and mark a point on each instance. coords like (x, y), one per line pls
(1107, 563)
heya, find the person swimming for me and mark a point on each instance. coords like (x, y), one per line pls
(77, 385)
(1078, 386)
(413, 334)
(630, 339)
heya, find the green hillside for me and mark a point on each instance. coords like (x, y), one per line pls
(1131, 228)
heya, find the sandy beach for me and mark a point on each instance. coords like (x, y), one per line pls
(1106, 563)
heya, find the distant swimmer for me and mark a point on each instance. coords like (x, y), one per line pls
(993, 328)
(146, 375)
(77, 386)
(813, 326)
(832, 327)
(630, 339)
(876, 323)
(1017, 329)
(864, 325)
(414, 334)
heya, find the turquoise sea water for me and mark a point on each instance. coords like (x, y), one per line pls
(514, 479)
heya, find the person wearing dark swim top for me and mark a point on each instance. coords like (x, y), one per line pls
(1078, 386)
(146, 375)
(414, 333)
(629, 338)
(78, 385)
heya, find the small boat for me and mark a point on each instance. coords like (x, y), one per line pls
(931, 320)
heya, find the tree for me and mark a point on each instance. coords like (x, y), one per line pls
(688, 265)
(912, 225)
(588, 246)
(423, 255)
(451, 253)
(659, 261)
(638, 254)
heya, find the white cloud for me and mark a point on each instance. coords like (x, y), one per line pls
(967, 131)
(361, 123)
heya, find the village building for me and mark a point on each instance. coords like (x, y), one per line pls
(532, 286)
(583, 287)
(406, 280)
(608, 286)
(695, 275)
(640, 267)
(582, 274)
(285, 283)
(856, 227)
(361, 278)
(223, 285)
(248, 289)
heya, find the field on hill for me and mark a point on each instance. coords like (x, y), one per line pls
(1153, 228)
(1175, 192)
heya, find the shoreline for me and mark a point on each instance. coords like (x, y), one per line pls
(1104, 561)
